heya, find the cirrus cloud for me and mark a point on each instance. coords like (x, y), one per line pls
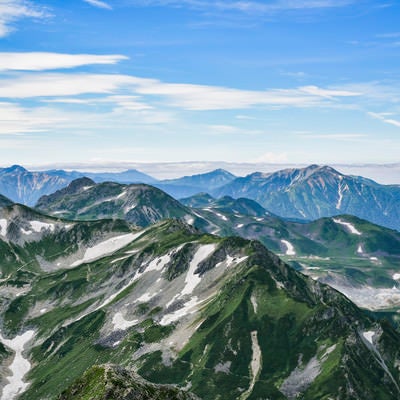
(14, 10)
(40, 61)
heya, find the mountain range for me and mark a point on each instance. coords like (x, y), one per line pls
(303, 194)
(315, 192)
(224, 317)
(26, 187)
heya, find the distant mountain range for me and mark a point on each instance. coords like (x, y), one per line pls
(315, 192)
(222, 317)
(26, 187)
(302, 194)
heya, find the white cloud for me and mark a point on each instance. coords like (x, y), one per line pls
(181, 95)
(383, 117)
(131, 103)
(99, 4)
(14, 10)
(202, 97)
(41, 85)
(40, 61)
(15, 119)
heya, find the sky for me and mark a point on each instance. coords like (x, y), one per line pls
(113, 82)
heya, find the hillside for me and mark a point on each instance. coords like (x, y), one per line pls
(225, 317)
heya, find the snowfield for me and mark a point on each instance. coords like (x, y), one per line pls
(19, 367)
(289, 248)
(120, 323)
(192, 279)
(349, 226)
(368, 336)
(3, 227)
(37, 226)
(189, 308)
(255, 365)
(106, 247)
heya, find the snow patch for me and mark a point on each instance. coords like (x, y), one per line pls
(192, 279)
(348, 225)
(122, 194)
(221, 216)
(341, 190)
(3, 227)
(368, 336)
(189, 219)
(188, 308)
(106, 247)
(119, 259)
(120, 323)
(289, 248)
(37, 226)
(396, 277)
(159, 263)
(145, 297)
(253, 300)
(255, 365)
(360, 249)
(19, 367)
(239, 225)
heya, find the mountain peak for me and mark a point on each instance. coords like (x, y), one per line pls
(15, 168)
(79, 183)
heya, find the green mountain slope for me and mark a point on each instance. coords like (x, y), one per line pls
(141, 205)
(356, 257)
(225, 317)
(111, 382)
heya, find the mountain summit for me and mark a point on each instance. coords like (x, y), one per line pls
(319, 191)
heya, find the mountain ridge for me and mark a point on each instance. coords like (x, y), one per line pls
(314, 192)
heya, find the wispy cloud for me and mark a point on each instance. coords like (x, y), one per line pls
(40, 61)
(57, 84)
(178, 95)
(14, 10)
(249, 7)
(202, 97)
(99, 4)
(384, 118)
(15, 119)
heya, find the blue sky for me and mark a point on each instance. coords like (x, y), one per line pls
(125, 81)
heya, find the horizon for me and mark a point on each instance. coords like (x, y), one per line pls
(385, 174)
